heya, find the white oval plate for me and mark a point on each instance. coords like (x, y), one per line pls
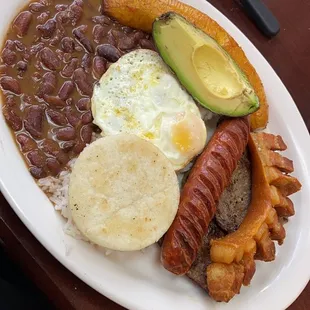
(137, 280)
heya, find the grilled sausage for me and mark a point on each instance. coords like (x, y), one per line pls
(200, 195)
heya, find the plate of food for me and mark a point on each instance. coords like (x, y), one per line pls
(154, 152)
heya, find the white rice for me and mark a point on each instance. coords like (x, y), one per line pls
(56, 188)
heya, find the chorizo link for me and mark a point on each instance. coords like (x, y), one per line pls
(208, 178)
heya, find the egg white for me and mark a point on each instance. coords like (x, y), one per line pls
(140, 95)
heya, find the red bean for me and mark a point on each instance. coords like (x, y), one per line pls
(10, 101)
(57, 117)
(66, 90)
(21, 66)
(60, 29)
(37, 173)
(138, 35)
(87, 118)
(86, 62)
(148, 44)
(126, 43)
(127, 30)
(79, 147)
(75, 12)
(54, 101)
(73, 116)
(62, 157)
(69, 69)
(50, 147)
(26, 143)
(34, 120)
(81, 29)
(80, 36)
(83, 104)
(83, 84)
(47, 30)
(98, 33)
(63, 18)
(60, 54)
(10, 44)
(49, 59)
(67, 45)
(36, 48)
(61, 7)
(48, 84)
(109, 52)
(65, 134)
(53, 166)
(86, 133)
(57, 37)
(42, 18)
(9, 57)
(68, 145)
(13, 120)
(117, 33)
(10, 84)
(110, 39)
(20, 46)
(102, 20)
(36, 158)
(21, 23)
(36, 7)
(99, 66)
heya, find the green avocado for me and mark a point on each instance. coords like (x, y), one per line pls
(204, 68)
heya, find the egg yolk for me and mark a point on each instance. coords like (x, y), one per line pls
(189, 134)
(181, 137)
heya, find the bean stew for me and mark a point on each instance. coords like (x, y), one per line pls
(54, 52)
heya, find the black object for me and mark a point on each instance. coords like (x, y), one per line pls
(262, 16)
(16, 290)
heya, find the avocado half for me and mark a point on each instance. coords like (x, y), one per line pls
(204, 68)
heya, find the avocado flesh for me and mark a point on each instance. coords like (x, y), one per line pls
(203, 67)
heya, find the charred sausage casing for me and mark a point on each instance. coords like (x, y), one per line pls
(209, 177)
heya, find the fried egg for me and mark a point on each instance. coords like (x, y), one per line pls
(140, 95)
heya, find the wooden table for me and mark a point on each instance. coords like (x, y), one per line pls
(289, 55)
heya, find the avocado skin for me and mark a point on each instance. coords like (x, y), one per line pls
(248, 104)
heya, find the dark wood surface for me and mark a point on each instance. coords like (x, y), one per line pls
(289, 55)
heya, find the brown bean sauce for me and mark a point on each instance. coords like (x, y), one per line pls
(54, 52)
